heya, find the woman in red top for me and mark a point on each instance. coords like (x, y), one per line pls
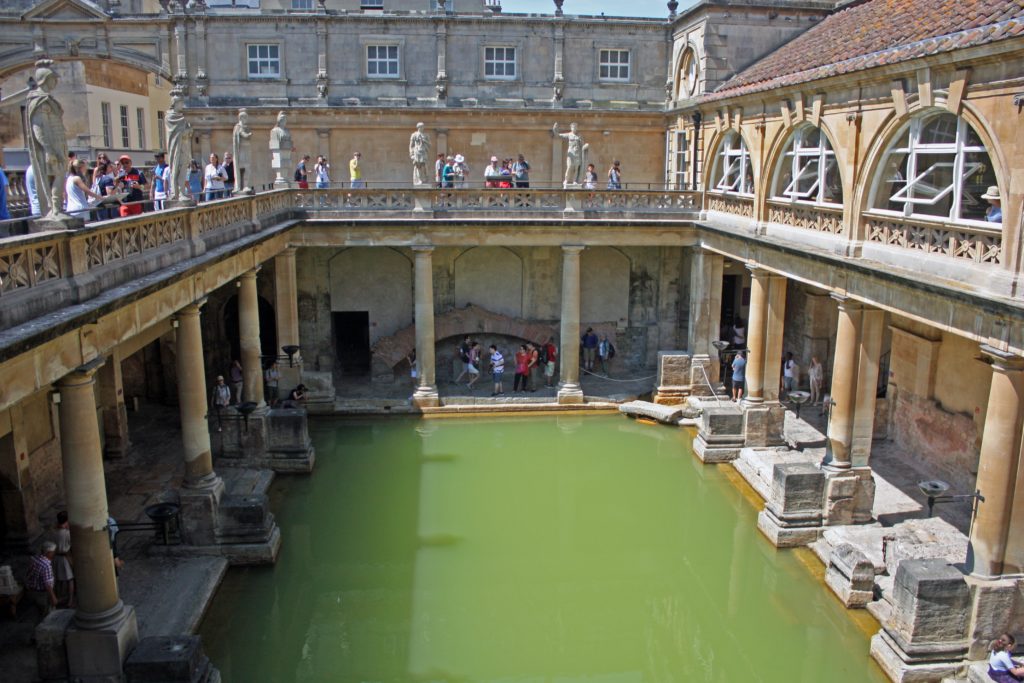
(522, 369)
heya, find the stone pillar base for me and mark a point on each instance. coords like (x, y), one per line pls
(763, 424)
(276, 439)
(170, 659)
(849, 496)
(851, 576)
(792, 516)
(570, 394)
(426, 397)
(701, 376)
(573, 201)
(199, 511)
(98, 655)
(720, 437)
(420, 202)
(238, 554)
(51, 652)
(671, 396)
(887, 654)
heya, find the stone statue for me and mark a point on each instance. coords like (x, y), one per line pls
(575, 156)
(419, 152)
(242, 151)
(281, 150)
(179, 152)
(47, 144)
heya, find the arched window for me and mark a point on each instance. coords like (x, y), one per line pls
(938, 167)
(733, 172)
(808, 170)
(689, 72)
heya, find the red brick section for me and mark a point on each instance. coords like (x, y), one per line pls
(872, 33)
(474, 320)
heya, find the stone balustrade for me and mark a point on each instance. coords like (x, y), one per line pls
(736, 205)
(955, 240)
(809, 217)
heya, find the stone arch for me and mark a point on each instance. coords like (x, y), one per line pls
(677, 65)
(604, 285)
(491, 277)
(896, 125)
(711, 161)
(26, 59)
(778, 147)
(373, 279)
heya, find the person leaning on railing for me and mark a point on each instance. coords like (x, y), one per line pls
(77, 193)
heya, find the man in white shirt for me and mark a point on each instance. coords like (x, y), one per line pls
(790, 370)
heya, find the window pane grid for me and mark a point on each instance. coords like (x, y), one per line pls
(140, 122)
(737, 175)
(680, 160)
(382, 61)
(613, 65)
(105, 117)
(126, 141)
(809, 171)
(302, 4)
(264, 61)
(500, 62)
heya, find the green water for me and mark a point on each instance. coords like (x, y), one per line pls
(548, 549)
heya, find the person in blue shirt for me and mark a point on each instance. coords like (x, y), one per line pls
(739, 368)
(994, 214)
(4, 213)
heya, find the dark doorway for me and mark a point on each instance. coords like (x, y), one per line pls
(352, 340)
(730, 308)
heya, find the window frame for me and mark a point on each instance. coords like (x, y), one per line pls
(106, 125)
(371, 4)
(740, 155)
(504, 62)
(800, 158)
(140, 121)
(376, 45)
(907, 142)
(678, 157)
(126, 130)
(602, 52)
(302, 6)
(688, 83)
(250, 61)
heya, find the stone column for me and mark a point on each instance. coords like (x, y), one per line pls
(844, 384)
(753, 391)
(569, 389)
(705, 307)
(869, 356)
(286, 306)
(249, 338)
(426, 390)
(105, 629)
(774, 328)
(998, 466)
(193, 399)
(115, 413)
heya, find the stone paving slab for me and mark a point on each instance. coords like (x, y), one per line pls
(170, 594)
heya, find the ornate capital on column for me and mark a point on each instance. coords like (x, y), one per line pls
(574, 249)
(423, 249)
(191, 310)
(248, 275)
(848, 304)
(83, 375)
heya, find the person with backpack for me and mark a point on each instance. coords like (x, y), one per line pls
(605, 352)
(302, 174)
(474, 364)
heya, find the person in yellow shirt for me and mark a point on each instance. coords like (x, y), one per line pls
(355, 171)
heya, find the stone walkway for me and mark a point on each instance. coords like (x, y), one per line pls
(170, 594)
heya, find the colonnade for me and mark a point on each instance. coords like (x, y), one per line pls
(569, 390)
(104, 628)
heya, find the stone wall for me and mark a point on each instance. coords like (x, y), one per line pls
(640, 294)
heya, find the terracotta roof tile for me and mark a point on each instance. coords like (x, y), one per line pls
(869, 33)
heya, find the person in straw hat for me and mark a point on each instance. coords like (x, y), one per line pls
(994, 214)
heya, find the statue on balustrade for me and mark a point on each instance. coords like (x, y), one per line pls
(241, 149)
(575, 156)
(281, 150)
(419, 152)
(179, 152)
(47, 144)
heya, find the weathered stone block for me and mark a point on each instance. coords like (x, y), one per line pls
(849, 496)
(931, 605)
(168, 659)
(674, 383)
(199, 511)
(998, 608)
(793, 514)
(763, 425)
(851, 576)
(720, 436)
(51, 655)
(664, 414)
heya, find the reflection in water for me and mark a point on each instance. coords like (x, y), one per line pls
(540, 549)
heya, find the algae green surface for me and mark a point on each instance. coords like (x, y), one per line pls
(554, 549)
